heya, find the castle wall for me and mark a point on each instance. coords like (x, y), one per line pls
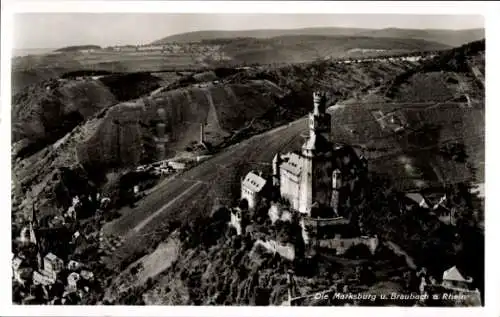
(290, 188)
(306, 187)
(250, 196)
(286, 251)
(341, 245)
(276, 213)
(235, 222)
(322, 181)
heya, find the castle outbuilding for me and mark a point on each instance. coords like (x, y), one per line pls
(252, 188)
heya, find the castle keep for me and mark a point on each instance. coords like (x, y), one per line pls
(323, 173)
(319, 182)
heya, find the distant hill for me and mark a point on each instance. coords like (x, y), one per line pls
(76, 48)
(198, 36)
(447, 37)
(306, 48)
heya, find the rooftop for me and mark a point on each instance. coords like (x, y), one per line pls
(254, 182)
(51, 256)
(417, 198)
(453, 274)
(16, 263)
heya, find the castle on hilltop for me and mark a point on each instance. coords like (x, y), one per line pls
(318, 178)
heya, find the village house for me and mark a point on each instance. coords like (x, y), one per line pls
(77, 237)
(41, 278)
(87, 275)
(21, 274)
(452, 278)
(73, 279)
(52, 265)
(73, 265)
(459, 289)
(418, 199)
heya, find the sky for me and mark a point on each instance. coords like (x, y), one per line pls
(54, 30)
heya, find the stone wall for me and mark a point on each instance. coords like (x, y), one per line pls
(341, 245)
(286, 251)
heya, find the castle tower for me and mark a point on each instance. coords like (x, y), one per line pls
(319, 118)
(336, 186)
(309, 151)
(161, 138)
(306, 177)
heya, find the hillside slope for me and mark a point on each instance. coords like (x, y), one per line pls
(45, 112)
(441, 105)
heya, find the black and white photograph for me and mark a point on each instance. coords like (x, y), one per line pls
(247, 159)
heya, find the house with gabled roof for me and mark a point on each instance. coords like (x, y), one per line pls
(453, 278)
(417, 199)
(52, 265)
(21, 273)
(43, 279)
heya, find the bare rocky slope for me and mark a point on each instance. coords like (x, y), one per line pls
(46, 111)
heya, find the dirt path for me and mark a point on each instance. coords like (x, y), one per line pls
(212, 118)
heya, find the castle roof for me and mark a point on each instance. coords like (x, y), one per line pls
(51, 257)
(43, 279)
(16, 263)
(293, 163)
(417, 198)
(453, 274)
(254, 182)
